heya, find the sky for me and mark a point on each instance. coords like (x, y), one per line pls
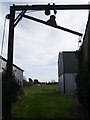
(36, 46)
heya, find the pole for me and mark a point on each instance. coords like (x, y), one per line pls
(10, 42)
(7, 105)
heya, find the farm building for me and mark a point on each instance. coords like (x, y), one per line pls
(18, 71)
(67, 70)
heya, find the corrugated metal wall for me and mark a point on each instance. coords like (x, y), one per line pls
(61, 84)
(60, 64)
(70, 85)
(67, 69)
(70, 62)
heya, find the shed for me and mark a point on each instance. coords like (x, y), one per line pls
(67, 70)
(17, 70)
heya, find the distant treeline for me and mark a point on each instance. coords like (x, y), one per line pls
(36, 82)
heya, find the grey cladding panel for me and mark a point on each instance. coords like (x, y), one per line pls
(60, 64)
(70, 62)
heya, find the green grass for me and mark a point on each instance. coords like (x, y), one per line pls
(43, 102)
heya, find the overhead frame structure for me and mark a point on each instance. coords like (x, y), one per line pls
(12, 24)
(24, 8)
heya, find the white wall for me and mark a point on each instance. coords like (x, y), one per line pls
(18, 72)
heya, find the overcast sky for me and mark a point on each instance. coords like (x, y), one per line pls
(36, 46)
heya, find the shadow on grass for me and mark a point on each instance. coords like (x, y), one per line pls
(78, 111)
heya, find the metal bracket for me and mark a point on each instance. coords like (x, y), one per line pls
(19, 17)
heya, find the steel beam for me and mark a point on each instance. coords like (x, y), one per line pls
(56, 26)
(52, 7)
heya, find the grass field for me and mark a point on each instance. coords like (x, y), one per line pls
(43, 102)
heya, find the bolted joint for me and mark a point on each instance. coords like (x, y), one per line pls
(55, 12)
(8, 16)
(47, 10)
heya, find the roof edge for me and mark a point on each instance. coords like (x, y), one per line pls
(13, 64)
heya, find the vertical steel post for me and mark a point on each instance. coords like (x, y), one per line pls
(7, 107)
(10, 42)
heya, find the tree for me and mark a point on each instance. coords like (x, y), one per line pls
(30, 80)
(11, 90)
(36, 81)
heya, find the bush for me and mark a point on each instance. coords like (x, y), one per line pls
(11, 92)
(11, 89)
(82, 80)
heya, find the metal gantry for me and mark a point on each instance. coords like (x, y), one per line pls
(14, 21)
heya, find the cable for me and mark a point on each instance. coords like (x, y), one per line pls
(3, 36)
(2, 43)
